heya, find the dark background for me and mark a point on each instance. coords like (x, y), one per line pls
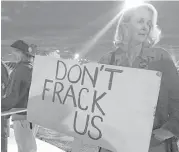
(69, 25)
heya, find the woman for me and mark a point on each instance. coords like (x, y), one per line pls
(135, 37)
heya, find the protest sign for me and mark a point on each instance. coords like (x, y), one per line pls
(109, 106)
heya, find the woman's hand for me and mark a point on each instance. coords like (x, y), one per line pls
(162, 134)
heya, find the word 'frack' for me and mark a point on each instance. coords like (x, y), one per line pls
(82, 73)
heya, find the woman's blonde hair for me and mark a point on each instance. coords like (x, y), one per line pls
(125, 16)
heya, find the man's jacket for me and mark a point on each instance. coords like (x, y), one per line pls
(4, 79)
(18, 89)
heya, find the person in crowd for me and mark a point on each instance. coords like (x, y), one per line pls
(4, 78)
(135, 40)
(17, 96)
(4, 119)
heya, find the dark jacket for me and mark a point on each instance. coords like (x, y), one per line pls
(18, 88)
(4, 78)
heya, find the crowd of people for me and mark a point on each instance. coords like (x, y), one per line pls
(135, 40)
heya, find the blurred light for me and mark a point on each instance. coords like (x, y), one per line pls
(58, 51)
(132, 3)
(90, 44)
(177, 64)
(55, 54)
(76, 56)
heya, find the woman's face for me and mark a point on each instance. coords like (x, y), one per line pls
(140, 25)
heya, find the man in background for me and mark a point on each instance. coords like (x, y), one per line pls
(17, 96)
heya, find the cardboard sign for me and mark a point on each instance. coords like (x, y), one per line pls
(108, 106)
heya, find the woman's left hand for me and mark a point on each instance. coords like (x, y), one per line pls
(162, 134)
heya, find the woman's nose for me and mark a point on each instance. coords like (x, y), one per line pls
(145, 28)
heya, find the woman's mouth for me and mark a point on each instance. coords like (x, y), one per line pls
(142, 34)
